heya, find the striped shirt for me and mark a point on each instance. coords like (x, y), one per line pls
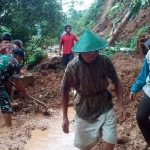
(90, 80)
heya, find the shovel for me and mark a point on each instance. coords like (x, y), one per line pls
(46, 113)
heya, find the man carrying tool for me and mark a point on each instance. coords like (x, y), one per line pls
(9, 67)
(88, 74)
(143, 82)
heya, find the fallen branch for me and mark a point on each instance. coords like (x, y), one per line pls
(114, 34)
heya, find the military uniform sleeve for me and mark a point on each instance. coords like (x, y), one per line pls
(67, 81)
(111, 71)
(16, 73)
(15, 68)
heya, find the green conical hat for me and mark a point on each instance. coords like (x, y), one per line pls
(89, 41)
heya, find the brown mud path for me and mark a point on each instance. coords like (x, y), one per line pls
(31, 128)
(53, 138)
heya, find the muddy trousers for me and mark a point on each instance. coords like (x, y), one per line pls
(142, 117)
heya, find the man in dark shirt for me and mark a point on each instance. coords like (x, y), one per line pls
(88, 74)
(9, 67)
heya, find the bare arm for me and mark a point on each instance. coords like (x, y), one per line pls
(60, 45)
(119, 93)
(60, 48)
(66, 85)
(65, 101)
(20, 86)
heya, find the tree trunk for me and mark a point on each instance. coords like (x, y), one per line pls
(114, 34)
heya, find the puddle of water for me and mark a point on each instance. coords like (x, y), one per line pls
(53, 138)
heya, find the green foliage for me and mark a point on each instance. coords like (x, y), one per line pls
(37, 56)
(81, 20)
(4, 29)
(132, 42)
(25, 19)
(36, 23)
(109, 51)
(118, 6)
(120, 44)
(137, 5)
(120, 9)
(35, 50)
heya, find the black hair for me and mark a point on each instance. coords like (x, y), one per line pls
(6, 36)
(18, 51)
(67, 26)
(18, 43)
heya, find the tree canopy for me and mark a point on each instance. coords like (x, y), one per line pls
(25, 19)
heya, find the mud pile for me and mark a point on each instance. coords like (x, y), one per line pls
(129, 135)
(46, 88)
(127, 68)
(130, 29)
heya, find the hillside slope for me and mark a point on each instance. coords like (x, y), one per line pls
(104, 24)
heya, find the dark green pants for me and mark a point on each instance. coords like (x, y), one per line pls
(5, 101)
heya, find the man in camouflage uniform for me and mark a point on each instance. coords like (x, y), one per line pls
(9, 67)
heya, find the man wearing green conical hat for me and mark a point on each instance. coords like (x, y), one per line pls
(88, 74)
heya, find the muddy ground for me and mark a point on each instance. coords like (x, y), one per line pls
(46, 87)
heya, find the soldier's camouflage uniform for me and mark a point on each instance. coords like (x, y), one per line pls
(9, 67)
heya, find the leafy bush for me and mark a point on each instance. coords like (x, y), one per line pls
(37, 56)
(35, 52)
(137, 5)
(115, 9)
(109, 51)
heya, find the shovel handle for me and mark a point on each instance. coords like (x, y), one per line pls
(39, 102)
